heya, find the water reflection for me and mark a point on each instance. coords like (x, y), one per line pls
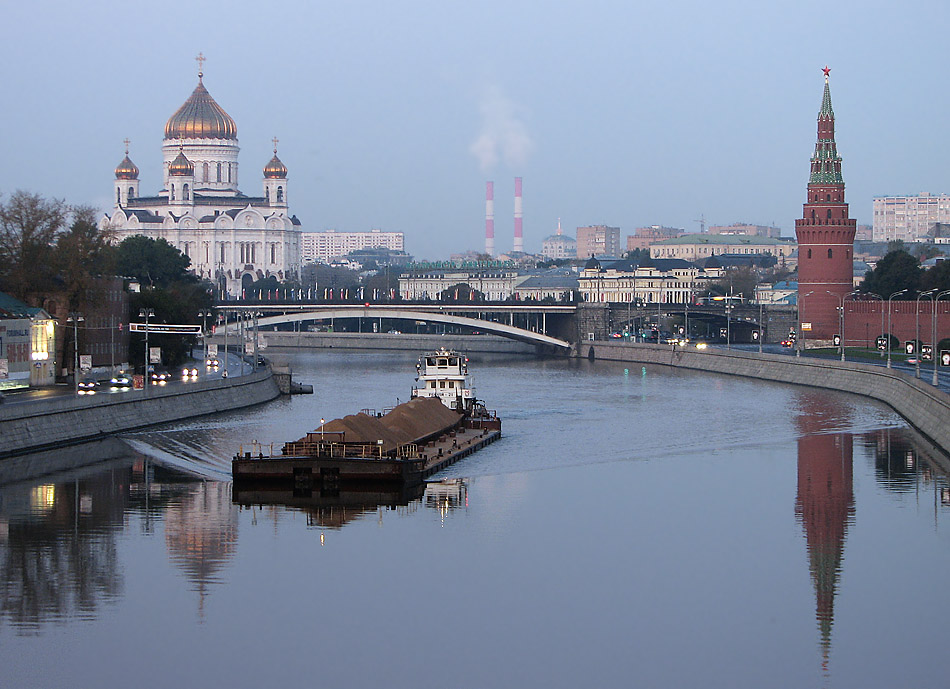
(825, 500)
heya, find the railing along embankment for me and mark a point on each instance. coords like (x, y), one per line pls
(922, 405)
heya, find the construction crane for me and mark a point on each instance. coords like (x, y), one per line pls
(702, 223)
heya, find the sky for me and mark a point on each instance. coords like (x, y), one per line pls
(393, 115)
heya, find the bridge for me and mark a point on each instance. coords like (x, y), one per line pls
(526, 323)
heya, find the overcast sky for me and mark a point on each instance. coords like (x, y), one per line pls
(393, 115)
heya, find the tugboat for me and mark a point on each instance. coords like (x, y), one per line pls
(441, 423)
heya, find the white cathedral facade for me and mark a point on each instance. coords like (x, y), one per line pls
(232, 239)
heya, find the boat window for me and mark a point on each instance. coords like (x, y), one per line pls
(443, 362)
(430, 361)
(441, 383)
(453, 361)
(431, 383)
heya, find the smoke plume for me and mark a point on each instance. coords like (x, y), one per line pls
(503, 133)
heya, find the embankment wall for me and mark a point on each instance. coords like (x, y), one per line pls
(64, 420)
(921, 404)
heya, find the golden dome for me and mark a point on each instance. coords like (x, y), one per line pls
(181, 166)
(275, 169)
(126, 169)
(200, 117)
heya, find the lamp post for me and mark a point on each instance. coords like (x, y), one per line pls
(889, 325)
(204, 316)
(801, 332)
(929, 294)
(936, 352)
(728, 323)
(760, 324)
(75, 317)
(146, 314)
(841, 300)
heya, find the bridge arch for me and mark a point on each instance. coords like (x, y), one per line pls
(397, 313)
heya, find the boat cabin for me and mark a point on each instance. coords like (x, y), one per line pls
(444, 374)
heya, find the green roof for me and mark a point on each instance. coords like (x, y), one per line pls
(14, 308)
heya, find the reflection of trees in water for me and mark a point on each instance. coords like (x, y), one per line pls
(59, 557)
(901, 464)
(201, 534)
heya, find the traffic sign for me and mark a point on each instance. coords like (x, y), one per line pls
(945, 357)
(166, 328)
(882, 343)
(910, 347)
(926, 352)
(836, 340)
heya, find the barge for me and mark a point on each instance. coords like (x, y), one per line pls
(441, 423)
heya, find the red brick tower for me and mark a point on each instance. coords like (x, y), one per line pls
(825, 234)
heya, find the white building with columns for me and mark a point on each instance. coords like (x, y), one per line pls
(232, 239)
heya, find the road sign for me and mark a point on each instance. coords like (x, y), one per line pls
(945, 357)
(806, 327)
(910, 347)
(836, 340)
(926, 352)
(154, 355)
(85, 362)
(882, 343)
(212, 350)
(755, 335)
(166, 328)
(4, 369)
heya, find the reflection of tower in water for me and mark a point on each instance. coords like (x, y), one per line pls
(201, 534)
(825, 501)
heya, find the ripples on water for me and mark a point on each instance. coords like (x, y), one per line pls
(633, 526)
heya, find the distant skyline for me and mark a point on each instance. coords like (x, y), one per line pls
(394, 115)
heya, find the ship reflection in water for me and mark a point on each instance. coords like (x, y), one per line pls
(334, 509)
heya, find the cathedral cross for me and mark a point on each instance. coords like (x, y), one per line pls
(201, 61)
(126, 142)
(276, 141)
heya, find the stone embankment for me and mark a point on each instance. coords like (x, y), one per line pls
(921, 404)
(58, 421)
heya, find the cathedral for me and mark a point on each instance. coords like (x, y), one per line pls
(232, 239)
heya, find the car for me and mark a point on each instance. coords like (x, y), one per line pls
(616, 336)
(395, 332)
(189, 372)
(702, 344)
(88, 386)
(212, 362)
(788, 343)
(159, 376)
(120, 381)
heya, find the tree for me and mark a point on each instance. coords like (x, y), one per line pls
(637, 255)
(462, 292)
(82, 254)
(740, 281)
(153, 262)
(937, 277)
(29, 227)
(897, 271)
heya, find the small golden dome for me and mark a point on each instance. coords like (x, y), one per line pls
(126, 169)
(200, 117)
(275, 169)
(181, 166)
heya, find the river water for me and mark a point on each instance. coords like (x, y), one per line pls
(634, 527)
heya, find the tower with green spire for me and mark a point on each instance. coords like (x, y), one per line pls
(825, 234)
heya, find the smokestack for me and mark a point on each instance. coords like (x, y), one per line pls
(519, 240)
(490, 218)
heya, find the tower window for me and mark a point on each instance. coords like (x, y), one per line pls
(829, 197)
(280, 194)
(204, 172)
(829, 253)
(229, 172)
(829, 214)
(184, 192)
(131, 192)
(267, 195)
(118, 195)
(809, 253)
(173, 193)
(219, 172)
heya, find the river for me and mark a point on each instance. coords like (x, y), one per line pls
(634, 527)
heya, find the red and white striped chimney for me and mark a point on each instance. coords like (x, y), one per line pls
(490, 218)
(519, 240)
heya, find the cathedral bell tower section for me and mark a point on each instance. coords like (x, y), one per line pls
(275, 181)
(126, 180)
(825, 235)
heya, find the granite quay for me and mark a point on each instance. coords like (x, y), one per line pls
(61, 421)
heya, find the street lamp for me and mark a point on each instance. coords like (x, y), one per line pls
(936, 352)
(889, 325)
(801, 333)
(841, 300)
(146, 314)
(929, 294)
(878, 296)
(204, 316)
(75, 317)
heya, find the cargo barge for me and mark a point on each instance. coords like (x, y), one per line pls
(442, 423)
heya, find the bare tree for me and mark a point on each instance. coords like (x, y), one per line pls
(29, 227)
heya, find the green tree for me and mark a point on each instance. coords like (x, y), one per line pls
(29, 227)
(153, 262)
(637, 255)
(736, 281)
(82, 254)
(897, 271)
(937, 277)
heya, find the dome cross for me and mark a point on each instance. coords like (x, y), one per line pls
(200, 59)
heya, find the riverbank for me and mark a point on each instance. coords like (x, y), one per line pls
(55, 422)
(926, 408)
